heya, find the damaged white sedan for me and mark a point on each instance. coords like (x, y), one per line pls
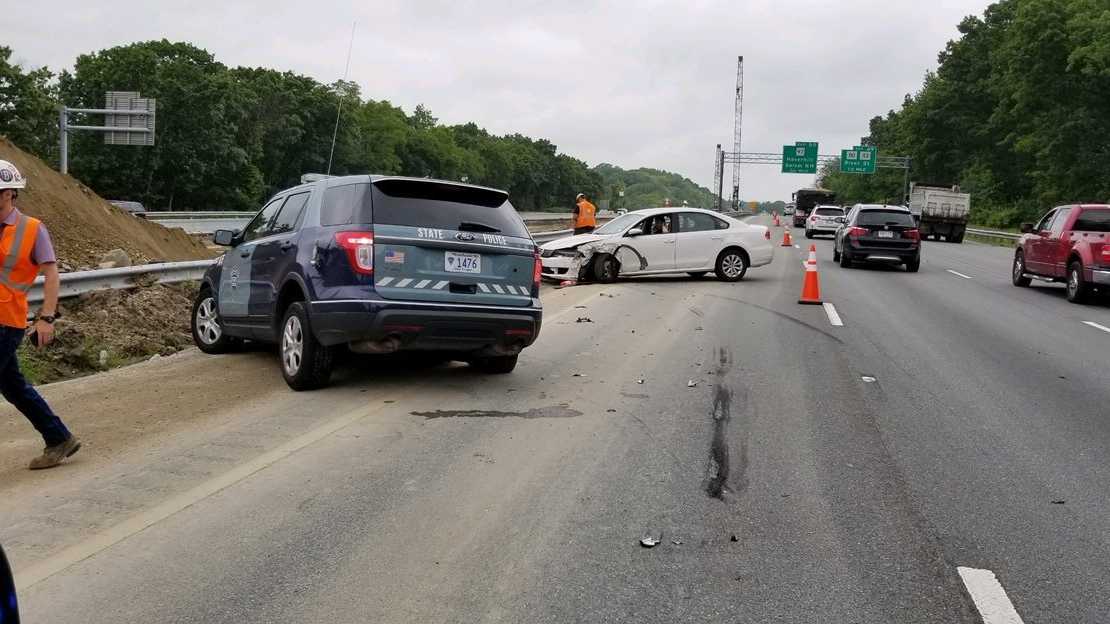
(658, 241)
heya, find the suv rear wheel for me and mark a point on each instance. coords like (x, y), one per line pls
(912, 266)
(500, 365)
(1079, 291)
(305, 363)
(1018, 276)
(208, 329)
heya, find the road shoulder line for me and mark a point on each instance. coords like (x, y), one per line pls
(834, 316)
(1097, 326)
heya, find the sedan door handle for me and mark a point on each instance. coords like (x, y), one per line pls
(717, 237)
(245, 253)
(287, 245)
(668, 242)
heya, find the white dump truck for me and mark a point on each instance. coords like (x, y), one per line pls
(941, 212)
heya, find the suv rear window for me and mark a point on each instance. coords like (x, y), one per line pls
(885, 217)
(447, 206)
(1093, 220)
(830, 212)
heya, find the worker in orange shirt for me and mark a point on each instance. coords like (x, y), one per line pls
(585, 215)
(26, 249)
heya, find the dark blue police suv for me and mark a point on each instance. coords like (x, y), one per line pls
(375, 264)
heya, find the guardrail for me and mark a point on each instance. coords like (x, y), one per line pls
(77, 283)
(993, 234)
(80, 282)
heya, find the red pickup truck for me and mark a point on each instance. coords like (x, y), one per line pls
(1070, 245)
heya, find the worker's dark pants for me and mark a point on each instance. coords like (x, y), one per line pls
(20, 393)
(584, 230)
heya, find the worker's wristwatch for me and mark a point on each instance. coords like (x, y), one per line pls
(48, 318)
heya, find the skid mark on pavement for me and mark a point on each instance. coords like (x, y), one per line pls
(554, 411)
(781, 315)
(719, 467)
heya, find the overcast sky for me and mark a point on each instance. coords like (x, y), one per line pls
(631, 83)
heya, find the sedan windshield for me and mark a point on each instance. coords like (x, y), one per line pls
(616, 226)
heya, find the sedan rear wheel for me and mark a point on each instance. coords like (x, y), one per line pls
(732, 264)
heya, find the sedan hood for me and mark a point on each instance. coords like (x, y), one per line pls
(571, 242)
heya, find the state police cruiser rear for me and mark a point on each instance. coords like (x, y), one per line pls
(376, 264)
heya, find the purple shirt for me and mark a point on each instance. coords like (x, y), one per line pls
(43, 253)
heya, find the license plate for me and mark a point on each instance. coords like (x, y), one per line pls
(885, 234)
(455, 262)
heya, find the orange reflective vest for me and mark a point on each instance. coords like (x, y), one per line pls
(18, 272)
(586, 212)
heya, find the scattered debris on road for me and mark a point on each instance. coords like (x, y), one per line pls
(1058, 502)
(692, 383)
(577, 375)
(650, 541)
(868, 379)
(734, 538)
(611, 410)
(584, 319)
(640, 381)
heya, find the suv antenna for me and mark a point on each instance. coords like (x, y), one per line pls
(339, 111)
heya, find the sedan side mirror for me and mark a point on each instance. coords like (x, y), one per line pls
(841, 220)
(1026, 228)
(224, 238)
(635, 232)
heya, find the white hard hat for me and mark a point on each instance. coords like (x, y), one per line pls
(580, 196)
(10, 178)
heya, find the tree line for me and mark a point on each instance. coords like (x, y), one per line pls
(228, 137)
(1017, 113)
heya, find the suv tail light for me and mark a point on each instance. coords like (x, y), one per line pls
(912, 235)
(537, 271)
(767, 234)
(1106, 253)
(360, 250)
(856, 232)
(813, 217)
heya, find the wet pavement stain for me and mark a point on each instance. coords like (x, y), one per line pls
(553, 411)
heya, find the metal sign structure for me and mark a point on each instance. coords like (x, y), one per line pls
(721, 158)
(129, 120)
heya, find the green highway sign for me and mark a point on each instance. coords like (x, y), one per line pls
(800, 157)
(859, 159)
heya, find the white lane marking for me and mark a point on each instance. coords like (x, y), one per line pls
(958, 274)
(834, 318)
(991, 600)
(497, 287)
(139, 522)
(423, 283)
(1097, 326)
(403, 283)
(385, 281)
(440, 285)
(482, 287)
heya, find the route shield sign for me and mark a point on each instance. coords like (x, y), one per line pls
(799, 158)
(859, 159)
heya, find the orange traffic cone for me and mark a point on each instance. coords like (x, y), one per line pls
(786, 240)
(811, 291)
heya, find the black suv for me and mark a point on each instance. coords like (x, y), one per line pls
(878, 232)
(377, 265)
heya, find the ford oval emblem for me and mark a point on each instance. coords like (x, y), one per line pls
(463, 236)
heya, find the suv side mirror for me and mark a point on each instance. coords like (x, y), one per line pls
(1026, 228)
(842, 220)
(224, 238)
(635, 232)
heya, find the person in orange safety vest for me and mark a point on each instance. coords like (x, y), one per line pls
(26, 249)
(585, 215)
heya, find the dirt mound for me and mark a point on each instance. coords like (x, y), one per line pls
(84, 227)
(126, 325)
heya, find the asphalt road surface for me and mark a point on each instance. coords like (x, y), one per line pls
(941, 456)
